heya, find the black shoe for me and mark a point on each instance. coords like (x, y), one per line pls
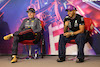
(60, 60)
(79, 60)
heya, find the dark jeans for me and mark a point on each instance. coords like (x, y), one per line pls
(79, 39)
(18, 38)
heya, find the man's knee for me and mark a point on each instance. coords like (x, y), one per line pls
(80, 37)
(16, 38)
(16, 33)
(62, 36)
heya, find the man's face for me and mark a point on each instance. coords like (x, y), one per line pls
(31, 14)
(71, 13)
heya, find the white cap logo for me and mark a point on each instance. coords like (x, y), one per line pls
(68, 7)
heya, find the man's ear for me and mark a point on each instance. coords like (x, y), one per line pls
(34, 13)
(74, 11)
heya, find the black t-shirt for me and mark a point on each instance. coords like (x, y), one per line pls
(74, 23)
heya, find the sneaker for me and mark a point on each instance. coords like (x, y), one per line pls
(7, 37)
(79, 60)
(14, 59)
(60, 59)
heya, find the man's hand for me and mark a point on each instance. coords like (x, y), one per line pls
(67, 34)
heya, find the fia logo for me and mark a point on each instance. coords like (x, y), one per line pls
(68, 7)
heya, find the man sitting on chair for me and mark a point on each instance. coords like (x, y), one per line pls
(73, 29)
(25, 32)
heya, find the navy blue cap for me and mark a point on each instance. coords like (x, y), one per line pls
(31, 10)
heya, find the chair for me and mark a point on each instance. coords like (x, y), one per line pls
(30, 42)
(89, 29)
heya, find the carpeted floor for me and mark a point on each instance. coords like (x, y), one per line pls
(49, 61)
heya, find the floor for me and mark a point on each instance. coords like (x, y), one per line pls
(49, 61)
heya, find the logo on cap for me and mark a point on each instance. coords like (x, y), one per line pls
(70, 7)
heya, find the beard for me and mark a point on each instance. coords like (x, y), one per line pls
(72, 16)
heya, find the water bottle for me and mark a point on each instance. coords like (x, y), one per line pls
(36, 54)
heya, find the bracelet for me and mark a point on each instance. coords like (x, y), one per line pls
(72, 34)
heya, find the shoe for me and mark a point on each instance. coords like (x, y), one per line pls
(79, 60)
(7, 37)
(60, 59)
(14, 59)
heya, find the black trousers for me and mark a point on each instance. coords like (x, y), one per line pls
(79, 39)
(18, 38)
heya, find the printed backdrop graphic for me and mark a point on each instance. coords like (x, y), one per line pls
(52, 13)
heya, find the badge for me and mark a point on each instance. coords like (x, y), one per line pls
(32, 21)
(76, 24)
(40, 24)
(28, 26)
(82, 19)
(27, 20)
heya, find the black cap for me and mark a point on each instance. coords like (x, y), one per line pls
(31, 10)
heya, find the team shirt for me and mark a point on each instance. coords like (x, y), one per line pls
(33, 24)
(74, 23)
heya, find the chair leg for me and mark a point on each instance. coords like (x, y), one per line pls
(29, 53)
(42, 49)
(30, 56)
(29, 50)
(41, 55)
